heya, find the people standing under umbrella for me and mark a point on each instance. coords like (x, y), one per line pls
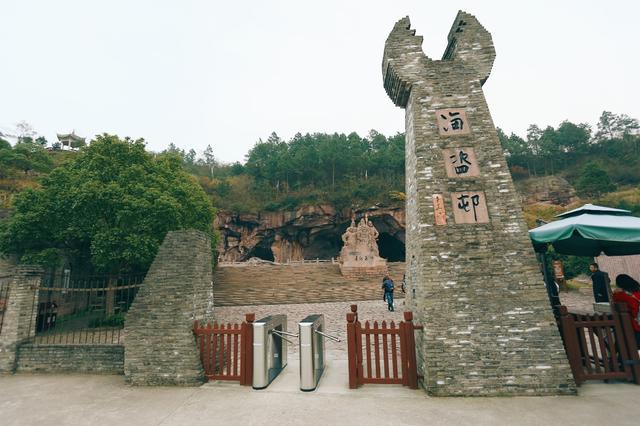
(600, 280)
(628, 292)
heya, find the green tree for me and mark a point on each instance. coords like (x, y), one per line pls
(29, 157)
(594, 181)
(110, 207)
(615, 126)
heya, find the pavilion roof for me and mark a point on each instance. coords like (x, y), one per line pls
(72, 136)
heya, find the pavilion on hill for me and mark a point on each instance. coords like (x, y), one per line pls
(71, 140)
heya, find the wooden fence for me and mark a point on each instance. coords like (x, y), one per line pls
(227, 351)
(388, 355)
(600, 346)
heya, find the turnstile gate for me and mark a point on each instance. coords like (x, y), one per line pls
(269, 349)
(311, 340)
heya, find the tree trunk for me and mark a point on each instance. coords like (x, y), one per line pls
(333, 176)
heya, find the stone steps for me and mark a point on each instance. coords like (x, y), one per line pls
(267, 284)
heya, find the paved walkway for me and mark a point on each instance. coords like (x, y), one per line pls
(334, 317)
(335, 314)
(578, 301)
(106, 400)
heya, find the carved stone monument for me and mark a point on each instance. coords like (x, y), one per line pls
(472, 278)
(359, 255)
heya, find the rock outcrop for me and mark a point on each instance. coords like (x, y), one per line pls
(546, 189)
(311, 232)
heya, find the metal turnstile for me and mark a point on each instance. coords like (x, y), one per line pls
(311, 338)
(269, 349)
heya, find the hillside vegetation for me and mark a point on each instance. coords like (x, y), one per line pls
(344, 170)
(603, 165)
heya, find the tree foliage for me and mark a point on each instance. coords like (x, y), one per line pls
(24, 157)
(594, 181)
(111, 207)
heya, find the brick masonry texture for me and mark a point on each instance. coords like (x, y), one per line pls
(160, 346)
(20, 315)
(92, 359)
(477, 288)
(268, 284)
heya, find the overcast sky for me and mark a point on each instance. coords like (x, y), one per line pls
(227, 73)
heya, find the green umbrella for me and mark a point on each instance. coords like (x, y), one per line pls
(589, 231)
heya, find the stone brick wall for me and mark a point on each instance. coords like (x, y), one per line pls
(93, 359)
(20, 313)
(160, 348)
(476, 287)
(269, 284)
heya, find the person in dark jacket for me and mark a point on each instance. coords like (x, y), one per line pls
(600, 281)
(387, 286)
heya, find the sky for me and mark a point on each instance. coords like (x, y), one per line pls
(200, 72)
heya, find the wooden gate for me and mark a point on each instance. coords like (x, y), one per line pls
(600, 346)
(388, 355)
(227, 351)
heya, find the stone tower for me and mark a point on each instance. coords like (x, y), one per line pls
(472, 277)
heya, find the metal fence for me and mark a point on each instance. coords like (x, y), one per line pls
(4, 298)
(83, 310)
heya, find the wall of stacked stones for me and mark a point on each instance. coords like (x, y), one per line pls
(93, 359)
(178, 289)
(19, 315)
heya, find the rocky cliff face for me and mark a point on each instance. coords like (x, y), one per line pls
(311, 232)
(547, 189)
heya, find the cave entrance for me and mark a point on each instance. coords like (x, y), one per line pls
(324, 246)
(264, 253)
(391, 248)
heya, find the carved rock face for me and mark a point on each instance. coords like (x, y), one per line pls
(311, 232)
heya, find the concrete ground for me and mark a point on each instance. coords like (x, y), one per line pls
(106, 400)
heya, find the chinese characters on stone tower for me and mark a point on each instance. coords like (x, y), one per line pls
(469, 207)
(438, 209)
(452, 122)
(461, 162)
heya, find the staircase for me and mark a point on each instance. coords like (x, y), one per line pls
(269, 284)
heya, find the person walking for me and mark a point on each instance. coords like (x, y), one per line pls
(387, 286)
(600, 281)
(628, 292)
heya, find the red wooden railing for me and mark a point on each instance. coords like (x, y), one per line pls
(226, 352)
(389, 353)
(600, 346)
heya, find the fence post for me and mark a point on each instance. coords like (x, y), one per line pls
(20, 311)
(246, 367)
(354, 309)
(410, 346)
(630, 359)
(571, 346)
(351, 348)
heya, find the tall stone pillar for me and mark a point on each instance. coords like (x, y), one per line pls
(21, 308)
(472, 277)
